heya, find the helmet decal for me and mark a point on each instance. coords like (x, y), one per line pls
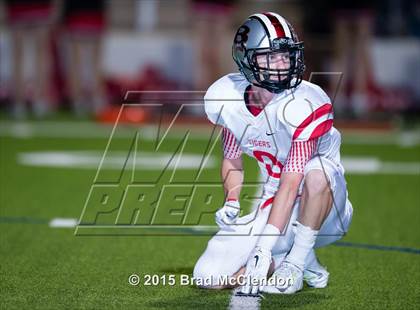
(242, 35)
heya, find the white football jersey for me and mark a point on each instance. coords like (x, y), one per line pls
(299, 114)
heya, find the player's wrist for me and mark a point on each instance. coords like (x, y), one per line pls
(263, 252)
(232, 202)
(268, 238)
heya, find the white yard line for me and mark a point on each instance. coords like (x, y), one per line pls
(403, 138)
(372, 165)
(243, 302)
(63, 223)
(115, 160)
(89, 130)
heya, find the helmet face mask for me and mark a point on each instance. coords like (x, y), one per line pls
(276, 63)
(275, 69)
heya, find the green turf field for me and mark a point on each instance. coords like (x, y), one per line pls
(44, 267)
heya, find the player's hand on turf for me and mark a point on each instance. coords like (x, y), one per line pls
(256, 268)
(228, 215)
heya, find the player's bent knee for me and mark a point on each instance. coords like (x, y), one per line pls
(205, 275)
(316, 183)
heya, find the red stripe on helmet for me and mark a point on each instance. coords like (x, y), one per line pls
(277, 25)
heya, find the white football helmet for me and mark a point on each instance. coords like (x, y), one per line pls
(263, 36)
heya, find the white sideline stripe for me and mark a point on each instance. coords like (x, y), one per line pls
(243, 302)
(63, 223)
(114, 160)
(90, 130)
(403, 139)
(372, 165)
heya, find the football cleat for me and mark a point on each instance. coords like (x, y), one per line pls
(291, 279)
(316, 277)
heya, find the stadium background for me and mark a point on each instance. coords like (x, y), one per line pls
(65, 70)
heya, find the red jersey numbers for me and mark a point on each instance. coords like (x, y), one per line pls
(272, 165)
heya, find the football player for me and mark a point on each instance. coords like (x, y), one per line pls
(270, 113)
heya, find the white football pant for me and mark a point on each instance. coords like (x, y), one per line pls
(228, 251)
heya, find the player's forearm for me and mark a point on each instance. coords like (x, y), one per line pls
(232, 176)
(284, 201)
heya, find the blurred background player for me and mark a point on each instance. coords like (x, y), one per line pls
(30, 24)
(211, 45)
(353, 32)
(85, 24)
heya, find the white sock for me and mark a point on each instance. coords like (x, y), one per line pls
(311, 261)
(268, 237)
(304, 242)
(278, 259)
